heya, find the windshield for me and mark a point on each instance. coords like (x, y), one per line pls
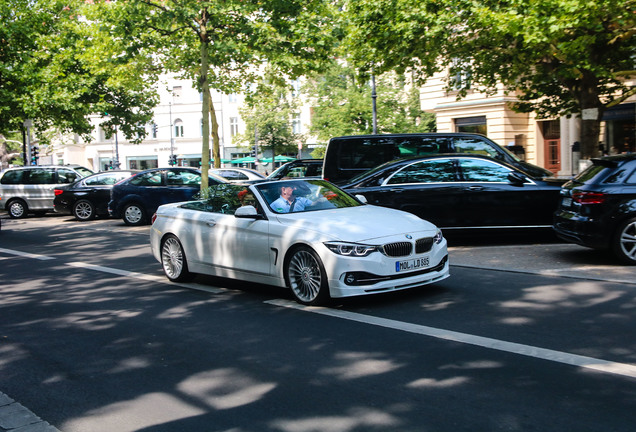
(304, 195)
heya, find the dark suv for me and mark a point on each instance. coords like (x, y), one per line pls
(598, 207)
(348, 156)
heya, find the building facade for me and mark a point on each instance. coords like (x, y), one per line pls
(176, 129)
(549, 143)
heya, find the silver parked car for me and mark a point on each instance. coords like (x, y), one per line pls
(29, 189)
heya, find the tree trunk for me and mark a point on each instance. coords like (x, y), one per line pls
(591, 114)
(205, 110)
(216, 147)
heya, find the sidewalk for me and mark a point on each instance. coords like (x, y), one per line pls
(16, 418)
(549, 259)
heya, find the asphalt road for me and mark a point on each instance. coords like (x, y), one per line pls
(523, 336)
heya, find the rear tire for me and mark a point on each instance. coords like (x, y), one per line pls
(134, 215)
(624, 242)
(173, 260)
(306, 277)
(84, 210)
(17, 209)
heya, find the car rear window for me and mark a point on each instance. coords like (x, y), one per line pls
(13, 177)
(592, 174)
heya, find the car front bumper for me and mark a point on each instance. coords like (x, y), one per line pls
(354, 277)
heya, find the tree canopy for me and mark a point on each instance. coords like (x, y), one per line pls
(559, 57)
(341, 101)
(222, 45)
(58, 66)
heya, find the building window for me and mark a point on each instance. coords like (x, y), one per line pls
(295, 88)
(234, 126)
(472, 125)
(178, 128)
(296, 124)
(177, 92)
(232, 98)
(460, 75)
(142, 162)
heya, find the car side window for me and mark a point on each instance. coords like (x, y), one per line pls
(41, 176)
(231, 175)
(66, 176)
(479, 170)
(617, 176)
(13, 177)
(422, 146)
(430, 171)
(152, 178)
(181, 178)
(475, 146)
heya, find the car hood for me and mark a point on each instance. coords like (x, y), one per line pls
(358, 224)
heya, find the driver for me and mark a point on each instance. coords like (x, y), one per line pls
(288, 202)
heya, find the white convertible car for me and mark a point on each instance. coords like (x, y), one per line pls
(306, 234)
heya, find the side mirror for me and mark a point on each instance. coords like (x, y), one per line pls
(516, 178)
(362, 199)
(247, 212)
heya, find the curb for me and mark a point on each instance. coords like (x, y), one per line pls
(16, 418)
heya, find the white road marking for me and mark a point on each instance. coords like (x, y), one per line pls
(585, 362)
(119, 272)
(26, 254)
(599, 365)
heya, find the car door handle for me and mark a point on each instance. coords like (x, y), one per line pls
(475, 188)
(210, 223)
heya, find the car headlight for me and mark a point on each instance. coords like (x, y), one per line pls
(351, 249)
(438, 237)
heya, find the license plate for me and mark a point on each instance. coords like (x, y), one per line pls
(413, 264)
(566, 202)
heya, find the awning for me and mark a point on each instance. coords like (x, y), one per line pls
(279, 158)
(247, 159)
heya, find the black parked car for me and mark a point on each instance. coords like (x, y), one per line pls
(598, 207)
(88, 197)
(137, 198)
(461, 191)
(298, 168)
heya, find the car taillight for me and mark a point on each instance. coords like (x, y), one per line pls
(582, 197)
(153, 218)
(58, 192)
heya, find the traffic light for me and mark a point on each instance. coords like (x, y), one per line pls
(35, 155)
(253, 152)
(172, 160)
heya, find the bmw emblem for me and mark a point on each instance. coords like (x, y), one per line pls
(408, 236)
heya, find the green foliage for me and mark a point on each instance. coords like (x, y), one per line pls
(268, 115)
(58, 65)
(558, 56)
(342, 104)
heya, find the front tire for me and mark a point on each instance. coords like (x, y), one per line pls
(173, 260)
(84, 210)
(306, 277)
(134, 215)
(17, 209)
(624, 242)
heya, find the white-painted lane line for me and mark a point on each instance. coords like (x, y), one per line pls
(144, 277)
(26, 254)
(599, 365)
